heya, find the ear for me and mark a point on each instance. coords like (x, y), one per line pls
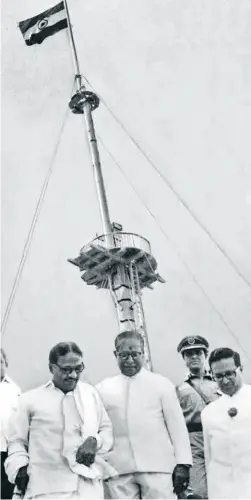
(115, 354)
(50, 367)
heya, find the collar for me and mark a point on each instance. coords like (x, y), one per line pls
(140, 373)
(51, 384)
(7, 379)
(206, 375)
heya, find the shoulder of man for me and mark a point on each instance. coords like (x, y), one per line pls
(211, 408)
(160, 381)
(86, 386)
(247, 387)
(30, 396)
(108, 383)
(184, 388)
(13, 386)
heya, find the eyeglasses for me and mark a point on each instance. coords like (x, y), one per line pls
(125, 355)
(69, 369)
(228, 374)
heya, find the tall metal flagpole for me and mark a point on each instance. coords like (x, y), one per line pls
(86, 102)
(118, 261)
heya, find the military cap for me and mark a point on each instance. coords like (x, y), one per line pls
(193, 342)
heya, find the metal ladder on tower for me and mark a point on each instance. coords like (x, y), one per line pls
(139, 316)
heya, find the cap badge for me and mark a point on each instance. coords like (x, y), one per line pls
(191, 340)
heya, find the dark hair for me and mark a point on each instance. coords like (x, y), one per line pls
(61, 349)
(4, 355)
(130, 334)
(224, 353)
(237, 359)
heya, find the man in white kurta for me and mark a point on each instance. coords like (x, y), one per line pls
(150, 435)
(60, 434)
(227, 431)
(9, 395)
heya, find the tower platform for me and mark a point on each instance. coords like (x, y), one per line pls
(99, 261)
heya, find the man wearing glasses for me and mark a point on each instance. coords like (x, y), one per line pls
(227, 429)
(197, 390)
(151, 446)
(60, 434)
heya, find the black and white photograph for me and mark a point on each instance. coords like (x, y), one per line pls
(125, 249)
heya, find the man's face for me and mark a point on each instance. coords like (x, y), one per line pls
(3, 367)
(227, 375)
(67, 371)
(130, 356)
(195, 359)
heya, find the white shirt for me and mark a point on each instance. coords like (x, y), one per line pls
(150, 433)
(9, 393)
(227, 445)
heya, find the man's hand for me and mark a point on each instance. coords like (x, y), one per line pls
(22, 479)
(87, 452)
(180, 478)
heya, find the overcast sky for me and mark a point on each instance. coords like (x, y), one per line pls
(176, 75)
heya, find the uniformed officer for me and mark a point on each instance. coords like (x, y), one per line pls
(197, 390)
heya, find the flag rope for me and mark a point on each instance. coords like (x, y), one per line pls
(171, 187)
(177, 252)
(34, 221)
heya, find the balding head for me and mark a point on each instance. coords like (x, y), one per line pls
(129, 334)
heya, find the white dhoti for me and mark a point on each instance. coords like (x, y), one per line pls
(87, 490)
(141, 485)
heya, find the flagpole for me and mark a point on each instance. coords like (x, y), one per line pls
(125, 270)
(73, 47)
(85, 102)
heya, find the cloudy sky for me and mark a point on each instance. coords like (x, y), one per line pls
(174, 80)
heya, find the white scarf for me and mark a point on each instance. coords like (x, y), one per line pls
(88, 406)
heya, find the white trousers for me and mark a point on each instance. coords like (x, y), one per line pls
(144, 485)
(87, 490)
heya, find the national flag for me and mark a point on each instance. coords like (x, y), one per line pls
(37, 28)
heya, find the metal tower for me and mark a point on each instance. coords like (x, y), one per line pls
(118, 261)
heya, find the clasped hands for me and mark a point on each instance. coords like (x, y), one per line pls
(86, 453)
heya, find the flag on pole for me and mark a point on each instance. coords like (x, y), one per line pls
(37, 28)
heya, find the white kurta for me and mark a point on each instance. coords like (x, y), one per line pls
(45, 435)
(9, 393)
(150, 433)
(227, 444)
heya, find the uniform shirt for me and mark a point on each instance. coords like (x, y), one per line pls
(191, 401)
(227, 444)
(9, 393)
(150, 434)
(48, 422)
